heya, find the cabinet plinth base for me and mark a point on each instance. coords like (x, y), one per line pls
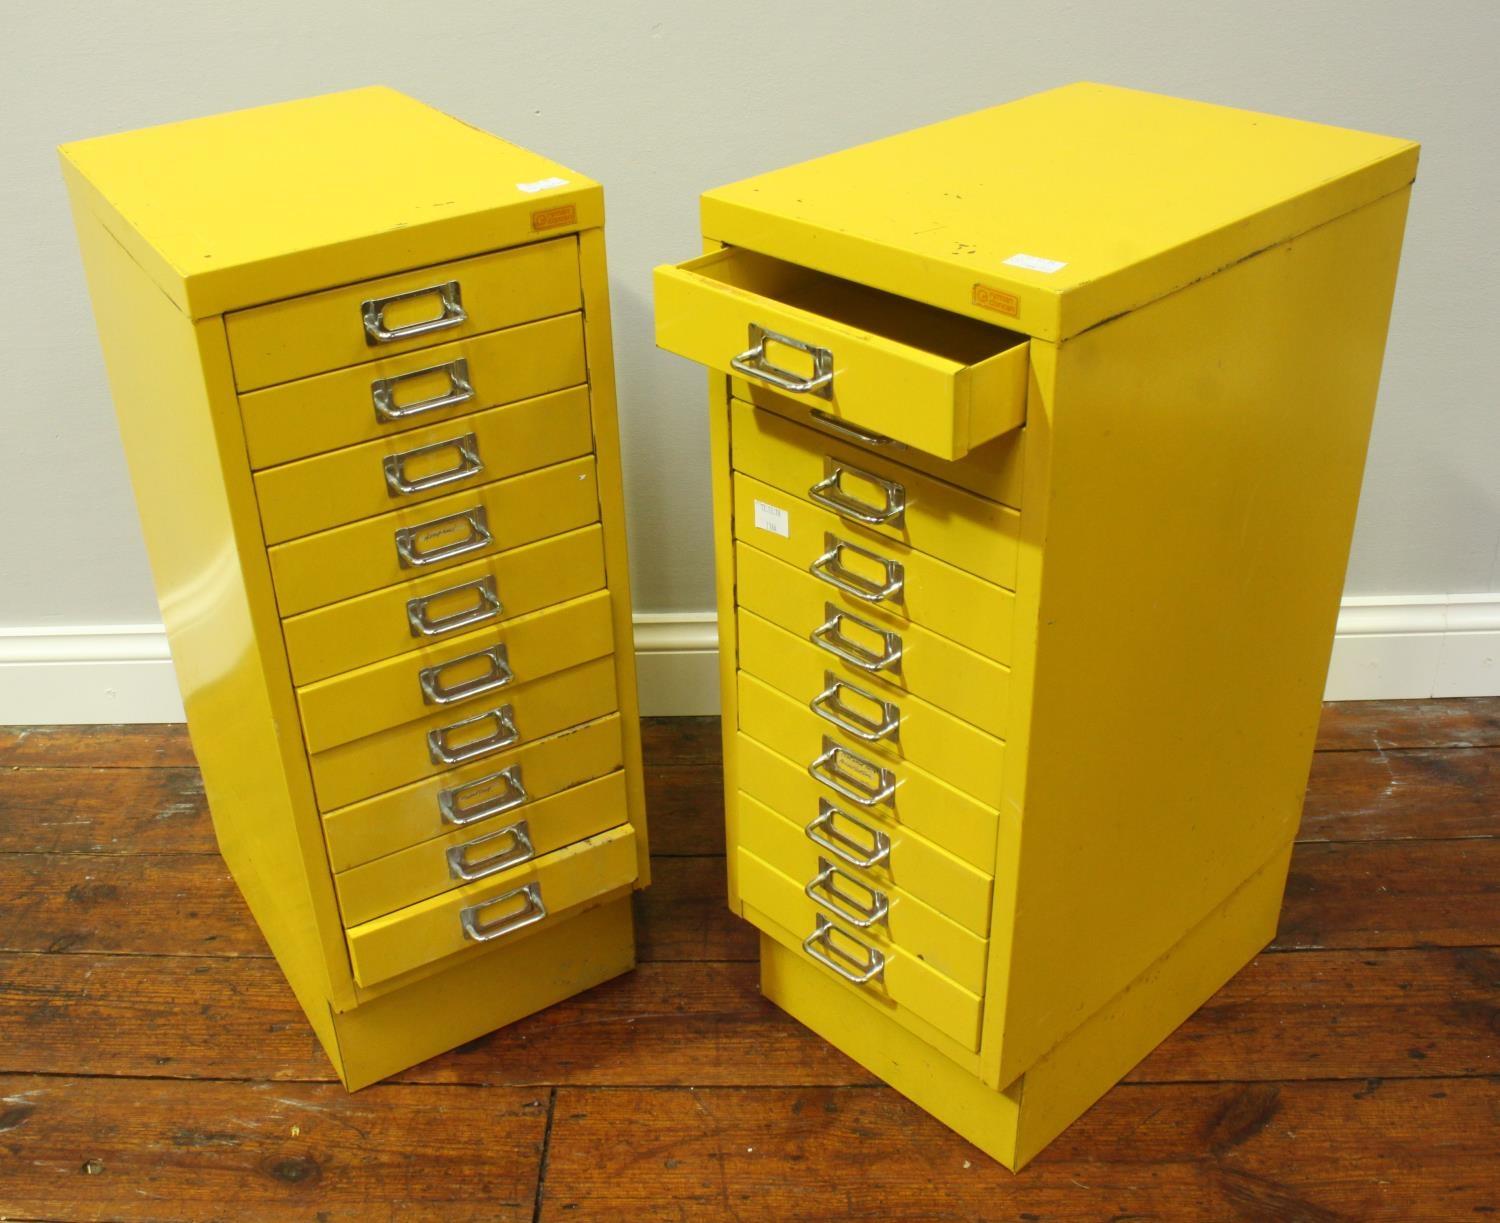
(397, 1030)
(1012, 1125)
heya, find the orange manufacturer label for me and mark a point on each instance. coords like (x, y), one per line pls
(995, 299)
(551, 218)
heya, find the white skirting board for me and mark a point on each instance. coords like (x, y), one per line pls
(1396, 646)
(1388, 648)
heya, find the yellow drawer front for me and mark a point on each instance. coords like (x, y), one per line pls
(387, 397)
(333, 565)
(992, 470)
(877, 572)
(495, 787)
(872, 1031)
(935, 380)
(439, 607)
(363, 322)
(871, 908)
(496, 911)
(357, 482)
(487, 848)
(904, 655)
(777, 905)
(889, 724)
(865, 839)
(379, 762)
(968, 532)
(458, 676)
(848, 772)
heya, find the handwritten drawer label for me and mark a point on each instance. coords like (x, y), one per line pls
(773, 518)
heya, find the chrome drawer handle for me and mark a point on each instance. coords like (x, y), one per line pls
(477, 537)
(827, 769)
(824, 889)
(503, 736)
(820, 946)
(530, 912)
(829, 705)
(451, 313)
(519, 849)
(854, 433)
(829, 493)
(487, 607)
(399, 484)
(512, 794)
(830, 568)
(830, 636)
(753, 363)
(824, 833)
(460, 390)
(497, 675)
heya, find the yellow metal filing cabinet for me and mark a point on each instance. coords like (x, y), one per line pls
(361, 357)
(1037, 438)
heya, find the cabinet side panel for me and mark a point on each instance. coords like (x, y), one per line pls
(721, 475)
(725, 599)
(1205, 463)
(179, 422)
(598, 346)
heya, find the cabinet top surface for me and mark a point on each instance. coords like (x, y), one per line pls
(367, 181)
(1057, 211)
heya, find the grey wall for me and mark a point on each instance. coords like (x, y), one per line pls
(661, 100)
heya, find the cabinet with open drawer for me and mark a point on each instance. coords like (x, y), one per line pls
(1036, 440)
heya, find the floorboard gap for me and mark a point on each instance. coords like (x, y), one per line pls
(541, 1169)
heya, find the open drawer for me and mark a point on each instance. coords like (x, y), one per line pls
(879, 363)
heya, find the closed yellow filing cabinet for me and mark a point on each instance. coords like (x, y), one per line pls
(360, 353)
(1037, 437)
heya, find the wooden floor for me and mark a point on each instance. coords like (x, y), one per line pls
(156, 1067)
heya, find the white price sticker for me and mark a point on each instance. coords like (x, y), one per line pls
(1035, 263)
(773, 518)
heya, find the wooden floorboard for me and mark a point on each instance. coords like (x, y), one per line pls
(1454, 722)
(149, 1149)
(155, 1065)
(104, 810)
(1294, 1151)
(97, 747)
(1390, 794)
(1392, 894)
